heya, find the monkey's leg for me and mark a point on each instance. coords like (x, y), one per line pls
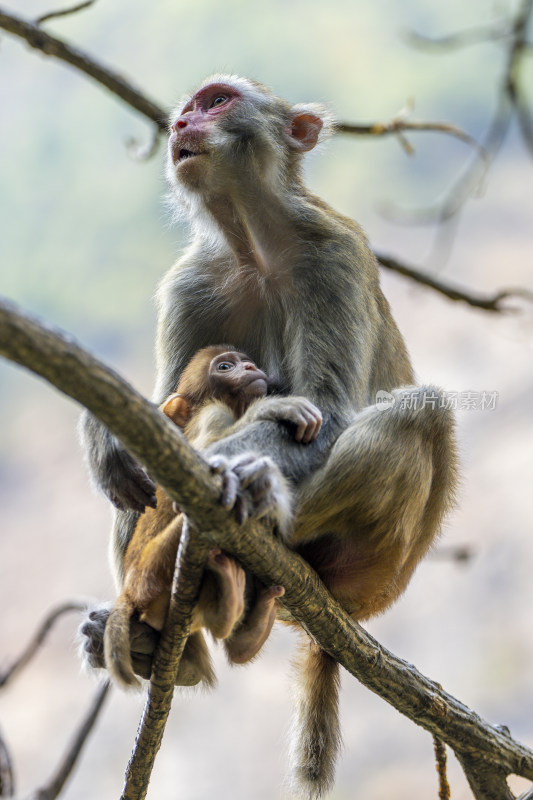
(367, 517)
(221, 603)
(195, 664)
(250, 636)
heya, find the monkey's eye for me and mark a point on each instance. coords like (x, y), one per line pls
(218, 101)
(224, 365)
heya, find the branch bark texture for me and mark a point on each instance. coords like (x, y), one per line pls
(190, 563)
(487, 753)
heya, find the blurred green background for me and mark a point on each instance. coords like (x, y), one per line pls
(84, 239)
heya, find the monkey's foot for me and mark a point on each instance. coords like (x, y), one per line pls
(222, 615)
(249, 638)
(195, 664)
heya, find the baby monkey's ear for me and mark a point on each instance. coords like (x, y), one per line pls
(178, 409)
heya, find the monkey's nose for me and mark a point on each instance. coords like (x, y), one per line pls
(180, 123)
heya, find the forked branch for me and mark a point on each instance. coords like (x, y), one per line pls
(488, 753)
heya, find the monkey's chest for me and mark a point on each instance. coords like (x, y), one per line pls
(258, 328)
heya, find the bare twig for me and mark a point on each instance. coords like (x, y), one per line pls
(454, 41)
(64, 12)
(487, 753)
(58, 780)
(399, 125)
(511, 104)
(440, 759)
(190, 565)
(486, 302)
(7, 780)
(51, 46)
(37, 640)
(460, 553)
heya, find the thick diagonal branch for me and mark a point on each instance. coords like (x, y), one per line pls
(152, 438)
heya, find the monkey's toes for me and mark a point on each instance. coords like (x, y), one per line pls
(272, 593)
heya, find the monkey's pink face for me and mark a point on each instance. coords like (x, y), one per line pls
(189, 140)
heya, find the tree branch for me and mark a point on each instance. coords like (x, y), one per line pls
(511, 103)
(64, 12)
(485, 302)
(398, 125)
(192, 555)
(62, 773)
(482, 748)
(116, 84)
(37, 640)
(7, 780)
(51, 46)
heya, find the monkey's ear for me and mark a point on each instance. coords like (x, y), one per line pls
(303, 131)
(306, 126)
(178, 409)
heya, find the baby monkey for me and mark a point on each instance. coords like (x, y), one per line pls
(218, 387)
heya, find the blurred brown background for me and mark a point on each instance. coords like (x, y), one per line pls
(84, 238)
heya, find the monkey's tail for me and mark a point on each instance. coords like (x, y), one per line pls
(117, 645)
(316, 737)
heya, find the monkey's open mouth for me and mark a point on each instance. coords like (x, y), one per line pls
(184, 154)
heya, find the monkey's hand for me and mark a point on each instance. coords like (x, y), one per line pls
(254, 486)
(298, 411)
(125, 482)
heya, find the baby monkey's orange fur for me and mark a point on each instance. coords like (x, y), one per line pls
(216, 388)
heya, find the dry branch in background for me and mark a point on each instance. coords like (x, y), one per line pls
(50, 45)
(40, 635)
(487, 753)
(55, 785)
(64, 12)
(511, 104)
(7, 780)
(493, 302)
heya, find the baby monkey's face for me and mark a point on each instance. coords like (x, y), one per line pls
(234, 373)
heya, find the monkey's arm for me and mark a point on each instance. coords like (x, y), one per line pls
(113, 470)
(269, 438)
(299, 411)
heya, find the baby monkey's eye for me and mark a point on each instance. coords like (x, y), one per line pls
(218, 100)
(224, 365)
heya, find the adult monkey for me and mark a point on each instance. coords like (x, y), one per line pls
(274, 270)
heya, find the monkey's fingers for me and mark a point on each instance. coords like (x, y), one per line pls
(230, 482)
(91, 634)
(252, 469)
(313, 425)
(309, 423)
(230, 489)
(241, 509)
